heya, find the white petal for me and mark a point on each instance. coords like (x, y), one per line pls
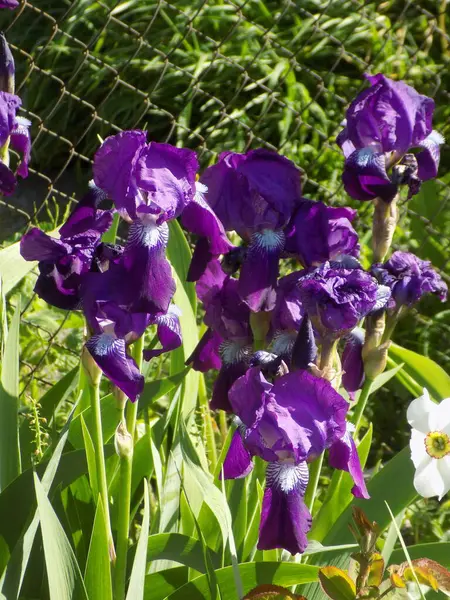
(444, 470)
(440, 417)
(419, 411)
(417, 445)
(428, 479)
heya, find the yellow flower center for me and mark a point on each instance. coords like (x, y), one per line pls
(437, 444)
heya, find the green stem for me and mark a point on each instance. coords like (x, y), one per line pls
(94, 390)
(327, 352)
(208, 425)
(124, 499)
(223, 426)
(314, 476)
(361, 405)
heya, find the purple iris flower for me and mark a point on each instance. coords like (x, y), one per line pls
(255, 194)
(383, 124)
(409, 278)
(65, 261)
(9, 4)
(318, 233)
(113, 329)
(228, 318)
(199, 218)
(145, 178)
(114, 326)
(206, 354)
(336, 298)
(14, 129)
(287, 424)
(149, 183)
(287, 316)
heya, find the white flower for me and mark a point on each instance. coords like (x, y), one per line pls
(430, 445)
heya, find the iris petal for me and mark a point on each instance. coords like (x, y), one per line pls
(259, 273)
(238, 461)
(285, 519)
(110, 355)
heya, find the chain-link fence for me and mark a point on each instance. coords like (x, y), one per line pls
(213, 75)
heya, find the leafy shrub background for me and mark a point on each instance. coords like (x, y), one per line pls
(216, 75)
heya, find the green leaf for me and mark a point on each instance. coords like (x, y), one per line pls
(180, 255)
(405, 550)
(339, 494)
(64, 576)
(438, 551)
(423, 370)
(58, 393)
(137, 579)
(109, 237)
(17, 565)
(180, 548)
(337, 584)
(13, 267)
(154, 390)
(72, 465)
(185, 298)
(202, 488)
(90, 456)
(393, 484)
(97, 576)
(110, 415)
(252, 574)
(161, 584)
(9, 405)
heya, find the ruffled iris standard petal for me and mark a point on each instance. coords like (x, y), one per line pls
(167, 175)
(365, 176)
(259, 272)
(252, 191)
(238, 461)
(114, 163)
(110, 355)
(285, 519)
(344, 456)
(318, 233)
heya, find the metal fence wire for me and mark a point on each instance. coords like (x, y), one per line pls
(213, 75)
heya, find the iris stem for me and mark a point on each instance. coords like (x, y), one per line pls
(314, 476)
(94, 392)
(361, 404)
(208, 424)
(124, 499)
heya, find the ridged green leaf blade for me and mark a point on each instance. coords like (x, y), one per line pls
(9, 405)
(64, 576)
(97, 576)
(138, 572)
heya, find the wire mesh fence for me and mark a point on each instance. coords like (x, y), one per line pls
(213, 75)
